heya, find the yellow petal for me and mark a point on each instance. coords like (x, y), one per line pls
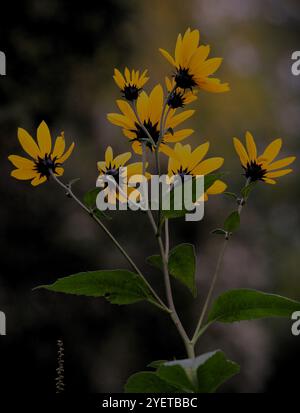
(20, 162)
(38, 180)
(167, 56)
(251, 146)
(67, 154)
(208, 166)
(198, 154)
(59, 171)
(156, 101)
(109, 155)
(119, 79)
(120, 120)
(241, 151)
(178, 50)
(177, 119)
(281, 163)
(212, 85)
(23, 174)
(137, 147)
(121, 160)
(44, 139)
(218, 187)
(272, 151)
(178, 136)
(59, 147)
(210, 66)
(127, 110)
(28, 144)
(270, 181)
(277, 174)
(142, 106)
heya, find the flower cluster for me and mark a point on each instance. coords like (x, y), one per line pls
(153, 122)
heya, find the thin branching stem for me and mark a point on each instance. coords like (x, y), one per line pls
(70, 193)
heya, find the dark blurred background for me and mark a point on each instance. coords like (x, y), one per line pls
(60, 59)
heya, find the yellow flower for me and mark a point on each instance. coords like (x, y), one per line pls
(149, 109)
(192, 66)
(177, 97)
(44, 158)
(130, 83)
(112, 166)
(183, 161)
(263, 167)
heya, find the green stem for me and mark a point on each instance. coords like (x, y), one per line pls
(70, 193)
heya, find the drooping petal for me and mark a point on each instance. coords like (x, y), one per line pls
(174, 121)
(28, 143)
(120, 120)
(38, 180)
(178, 136)
(167, 56)
(44, 139)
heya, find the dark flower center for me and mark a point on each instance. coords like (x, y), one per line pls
(184, 79)
(44, 165)
(131, 92)
(142, 136)
(176, 100)
(111, 170)
(254, 171)
(182, 173)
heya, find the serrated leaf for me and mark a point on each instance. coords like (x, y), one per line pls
(182, 265)
(117, 286)
(147, 382)
(214, 372)
(232, 222)
(176, 376)
(244, 304)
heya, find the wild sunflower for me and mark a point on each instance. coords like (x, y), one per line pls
(193, 69)
(149, 110)
(177, 97)
(115, 167)
(183, 161)
(263, 167)
(131, 83)
(45, 159)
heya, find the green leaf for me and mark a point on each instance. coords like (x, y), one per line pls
(90, 197)
(173, 213)
(232, 222)
(238, 305)
(182, 265)
(219, 231)
(147, 382)
(215, 371)
(203, 374)
(156, 364)
(155, 261)
(117, 286)
(176, 376)
(231, 195)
